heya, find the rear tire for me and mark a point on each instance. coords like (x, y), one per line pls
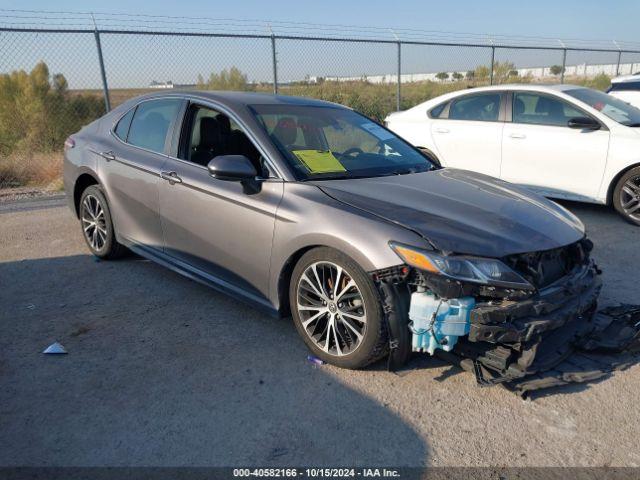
(97, 225)
(626, 196)
(349, 329)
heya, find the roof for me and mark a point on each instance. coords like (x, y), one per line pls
(627, 78)
(234, 99)
(559, 87)
(418, 110)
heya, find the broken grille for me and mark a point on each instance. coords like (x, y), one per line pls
(545, 267)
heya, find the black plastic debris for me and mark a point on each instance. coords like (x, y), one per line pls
(613, 346)
(587, 348)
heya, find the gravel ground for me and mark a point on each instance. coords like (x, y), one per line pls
(162, 371)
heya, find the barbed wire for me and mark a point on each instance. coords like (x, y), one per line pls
(51, 19)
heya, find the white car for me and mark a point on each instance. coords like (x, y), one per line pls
(626, 88)
(562, 141)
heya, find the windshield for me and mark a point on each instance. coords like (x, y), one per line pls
(611, 106)
(332, 142)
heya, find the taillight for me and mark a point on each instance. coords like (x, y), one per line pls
(69, 143)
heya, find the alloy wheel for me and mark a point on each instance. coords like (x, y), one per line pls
(630, 198)
(331, 308)
(94, 223)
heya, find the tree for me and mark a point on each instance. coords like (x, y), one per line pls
(442, 76)
(513, 73)
(37, 114)
(232, 79)
(470, 75)
(60, 84)
(457, 76)
(556, 69)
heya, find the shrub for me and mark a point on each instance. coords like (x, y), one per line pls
(233, 79)
(556, 69)
(37, 114)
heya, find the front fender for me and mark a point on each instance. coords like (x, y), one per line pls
(308, 218)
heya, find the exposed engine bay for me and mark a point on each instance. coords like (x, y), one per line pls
(522, 338)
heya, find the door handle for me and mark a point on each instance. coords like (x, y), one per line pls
(108, 156)
(171, 177)
(518, 135)
(442, 130)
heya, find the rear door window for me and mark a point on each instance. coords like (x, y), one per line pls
(151, 123)
(482, 107)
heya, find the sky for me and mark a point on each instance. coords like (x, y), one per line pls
(134, 62)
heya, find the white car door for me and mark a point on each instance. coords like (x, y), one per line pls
(470, 134)
(540, 150)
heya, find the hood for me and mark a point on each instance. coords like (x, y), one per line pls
(459, 211)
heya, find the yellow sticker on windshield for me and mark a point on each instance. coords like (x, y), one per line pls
(319, 161)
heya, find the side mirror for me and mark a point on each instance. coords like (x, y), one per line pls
(234, 168)
(584, 123)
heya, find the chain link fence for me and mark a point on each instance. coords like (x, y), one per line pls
(53, 81)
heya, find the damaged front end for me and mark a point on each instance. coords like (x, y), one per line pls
(526, 321)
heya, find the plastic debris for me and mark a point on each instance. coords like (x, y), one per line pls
(315, 360)
(55, 348)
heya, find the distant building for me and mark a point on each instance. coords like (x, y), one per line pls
(170, 84)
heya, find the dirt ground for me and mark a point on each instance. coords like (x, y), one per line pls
(162, 371)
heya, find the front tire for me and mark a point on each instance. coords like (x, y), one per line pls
(626, 196)
(97, 225)
(337, 309)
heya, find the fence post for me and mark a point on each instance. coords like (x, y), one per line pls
(564, 65)
(493, 59)
(618, 64)
(398, 96)
(275, 64)
(105, 87)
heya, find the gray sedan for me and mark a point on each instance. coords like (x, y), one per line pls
(308, 209)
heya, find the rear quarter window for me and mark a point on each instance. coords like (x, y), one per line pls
(122, 128)
(436, 111)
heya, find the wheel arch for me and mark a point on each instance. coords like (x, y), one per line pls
(285, 272)
(616, 178)
(83, 181)
(284, 278)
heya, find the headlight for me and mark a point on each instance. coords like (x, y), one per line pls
(470, 269)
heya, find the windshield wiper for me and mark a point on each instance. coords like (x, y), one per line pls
(637, 124)
(408, 171)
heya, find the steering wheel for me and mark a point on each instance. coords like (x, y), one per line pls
(352, 150)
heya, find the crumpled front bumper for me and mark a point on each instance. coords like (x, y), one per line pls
(552, 338)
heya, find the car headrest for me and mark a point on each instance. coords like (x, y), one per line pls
(546, 105)
(286, 131)
(225, 123)
(519, 107)
(210, 135)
